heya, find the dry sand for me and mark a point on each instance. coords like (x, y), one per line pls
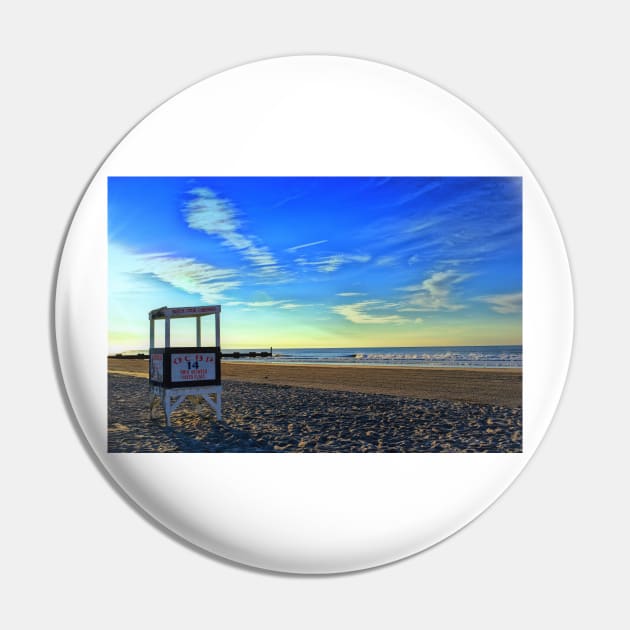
(298, 408)
(500, 386)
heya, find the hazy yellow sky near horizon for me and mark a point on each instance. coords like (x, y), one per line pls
(260, 330)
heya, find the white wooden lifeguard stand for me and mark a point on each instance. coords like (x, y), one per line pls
(179, 372)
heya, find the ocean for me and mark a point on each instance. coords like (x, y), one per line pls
(443, 356)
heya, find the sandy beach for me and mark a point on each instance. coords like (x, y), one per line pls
(305, 408)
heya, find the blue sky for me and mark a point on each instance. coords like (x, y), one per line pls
(319, 261)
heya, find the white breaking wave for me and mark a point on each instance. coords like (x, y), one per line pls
(488, 356)
(439, 356)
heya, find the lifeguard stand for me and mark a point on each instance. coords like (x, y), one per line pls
(175, 373)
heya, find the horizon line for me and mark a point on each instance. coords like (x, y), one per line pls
(487, 345)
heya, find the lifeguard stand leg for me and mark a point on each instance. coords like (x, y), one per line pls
(171, 400)
(166, 403)
(155, 400)
(170, 405)
(214, 404)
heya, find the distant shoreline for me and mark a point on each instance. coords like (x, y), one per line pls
(373, 366)
(486, 357)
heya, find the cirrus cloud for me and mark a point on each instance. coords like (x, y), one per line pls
(216, 216)
(435, 292)
(504, 303)
(333, 262)
(128, 268)
(372, 312)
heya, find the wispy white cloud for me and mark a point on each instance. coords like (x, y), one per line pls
(483, 221)
(125, 281)
(435, 292)
(296, 247)
(283, 304)
(258, 303)
(288, 199)
(456, 262)
(372, 312)
(350, 294)
(209, 213)
(291, 306)
(386, 261)
(505, 303)
(333, 262)
(186, 274)
(414, 194)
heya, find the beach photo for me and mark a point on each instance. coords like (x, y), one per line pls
(315, 314)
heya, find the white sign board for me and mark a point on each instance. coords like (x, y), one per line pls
(157, 367)
(192, 310)
(193, 366)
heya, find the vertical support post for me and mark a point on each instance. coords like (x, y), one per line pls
(198, 318)
(166, 403)
(217, 330)
(167, 332)
(151, 335)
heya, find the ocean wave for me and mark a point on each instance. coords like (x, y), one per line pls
(438, 357)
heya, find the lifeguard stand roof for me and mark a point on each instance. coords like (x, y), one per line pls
(183, 311)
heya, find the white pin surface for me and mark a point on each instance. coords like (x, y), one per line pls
(308, 116)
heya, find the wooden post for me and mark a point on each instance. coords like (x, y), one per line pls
(198, 318)
(217, 330)
(167, 332)
(152, 335)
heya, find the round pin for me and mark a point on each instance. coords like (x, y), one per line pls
(314, 314)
